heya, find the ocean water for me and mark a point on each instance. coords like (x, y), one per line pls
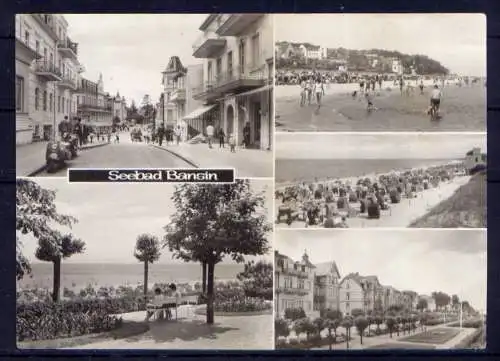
(78, 275)
(298, 170)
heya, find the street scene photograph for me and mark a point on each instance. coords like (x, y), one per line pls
(420, 180)
(144, 266)
(380, 289)
(144, 90)
(380, 72)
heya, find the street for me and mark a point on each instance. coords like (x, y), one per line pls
(462, 109)
(122, 155)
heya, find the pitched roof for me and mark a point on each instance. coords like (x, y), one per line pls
(175, 65)
(327, 268)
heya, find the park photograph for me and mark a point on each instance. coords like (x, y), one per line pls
(380, 289)
(144, 266)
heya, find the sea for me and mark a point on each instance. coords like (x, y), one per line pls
(79, 275)
(303, 170)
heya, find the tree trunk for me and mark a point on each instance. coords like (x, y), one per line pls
(361, 337)
(146, 270)
(330, 339)
(57, 280)
(204, 278)
(210, 294)
(348, 336)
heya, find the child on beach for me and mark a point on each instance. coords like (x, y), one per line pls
(369, 101)
(232, 143)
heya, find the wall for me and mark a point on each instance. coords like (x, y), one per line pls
(351, 287)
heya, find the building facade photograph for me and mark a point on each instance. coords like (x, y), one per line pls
(237, 54)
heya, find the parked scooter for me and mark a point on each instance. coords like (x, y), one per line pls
(59, 152)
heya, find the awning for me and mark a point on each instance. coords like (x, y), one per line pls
(255, 91)
(199, 112)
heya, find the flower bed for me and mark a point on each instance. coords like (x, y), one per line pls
(314, 341)
(48, 320)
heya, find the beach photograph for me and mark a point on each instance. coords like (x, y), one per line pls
(420, 180)
(144, 266)
(380, 289)
(380, 72)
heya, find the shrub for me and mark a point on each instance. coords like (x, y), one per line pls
(294, 313)
(248, 304)
(476, 323)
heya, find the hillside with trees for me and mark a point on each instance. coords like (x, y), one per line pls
(361, 60)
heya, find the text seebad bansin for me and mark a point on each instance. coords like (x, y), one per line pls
(169, 175)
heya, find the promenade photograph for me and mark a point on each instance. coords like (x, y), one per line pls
(380, 289)
(380, 72)
(419, 180)
(144, 266)
(173, 90)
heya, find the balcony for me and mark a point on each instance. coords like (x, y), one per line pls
(47, 71)
(208, 45)
(47, 22)
(236, 80)
(293, 291)
(94, 108)
(25, 51)
(178, 95)
(235, 24)
(67, 83)
(68, 49)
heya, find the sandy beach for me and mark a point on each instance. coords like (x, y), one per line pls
(398, 215)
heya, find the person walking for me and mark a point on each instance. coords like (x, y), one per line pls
(246, 135)
(210, 134)
(177, 134)
(221, 136)
(160, 132)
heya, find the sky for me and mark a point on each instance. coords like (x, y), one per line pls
(458, 41)
(111, 216)
(419, 260)
(377, 146)
(131, 50)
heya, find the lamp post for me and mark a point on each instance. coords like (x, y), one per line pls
(461, 314)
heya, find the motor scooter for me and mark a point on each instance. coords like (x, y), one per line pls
(59, 152)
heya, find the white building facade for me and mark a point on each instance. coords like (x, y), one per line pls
(237, 50)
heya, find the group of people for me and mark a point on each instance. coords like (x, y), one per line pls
(217, 134)
(86, 134)
(163, 302)
(331, 203)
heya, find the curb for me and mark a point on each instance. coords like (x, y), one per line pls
(44, 166)
(178, 155)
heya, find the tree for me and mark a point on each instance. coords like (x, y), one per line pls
(455, 301)
(332, 325)
(281, 329)
(36, 212)
(294, 314)
(147, 250)
(347, 324)
(304, 325)
(361, 324)
(55, 248)
(319, 324)
(257, 279)
(357, 312)
(390, 322)
(422, 304)
(214, 221)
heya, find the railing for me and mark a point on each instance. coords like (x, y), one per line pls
(293, 291)
(209, 35)
(69, 81)
(229, 76)
(94, 106)
(43, 66)
(68, 44)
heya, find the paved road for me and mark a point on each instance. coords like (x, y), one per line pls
(123, 155)
(463, 109)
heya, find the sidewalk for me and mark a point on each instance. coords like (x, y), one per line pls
(30, 158)
(253, 163)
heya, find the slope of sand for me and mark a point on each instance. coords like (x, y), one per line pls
(464, 209)
(404, 213)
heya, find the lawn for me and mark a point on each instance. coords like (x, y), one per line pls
(401, 345)
(437, 336)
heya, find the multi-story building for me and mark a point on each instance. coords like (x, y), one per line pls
(47, 67)
(177, 104)
(474, 158)
(310, 51)
(119, 108)
(237, 50)
(326, 287)
(94, 106)
(431, 303)
(360, 292)
(294, 285)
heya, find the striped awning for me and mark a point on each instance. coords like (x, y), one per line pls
(255, 91)
(199, 112)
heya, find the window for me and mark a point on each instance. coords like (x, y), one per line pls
(230, 64)
(347, 296)
(19, 93)
(347, 285)
(68, 109)
(51, 100)
(37, 95)
(209, 72)
(303, 268)
(241, 50)
(63, 100)
(218, 67)
(45, 100)
(27, 38)
(37, 47)
(255, 50)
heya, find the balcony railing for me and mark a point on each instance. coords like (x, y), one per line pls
(68, 48)
(293, 272)
(47, 70)
(236, 24)
(25, 45)
(232, 80)
(94, 107)
(67, 83)
(178, 95)
(208, 45)
(293, 291)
